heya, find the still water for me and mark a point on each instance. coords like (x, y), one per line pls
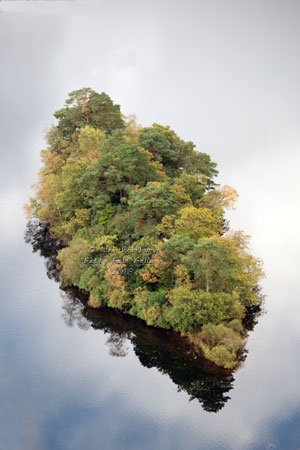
(75, 378)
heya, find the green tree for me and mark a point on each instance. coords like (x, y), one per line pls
(217, 264)
(150, 204)
(155, 142)
(220, 344)
(189, 310)
(175, 247)
(87, 107)
(107, 182)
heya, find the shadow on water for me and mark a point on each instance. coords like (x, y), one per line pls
(165, 350)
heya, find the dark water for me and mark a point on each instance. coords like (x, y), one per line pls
(165, 350)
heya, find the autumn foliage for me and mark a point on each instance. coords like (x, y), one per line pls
(108, 182)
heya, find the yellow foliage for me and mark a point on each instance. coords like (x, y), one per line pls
(219, 344)
(158, 167)
(140, 296)
(90, 140)
(180, 195)
(151, 314)
(132, 128)
(229, 196)
(94, 302)
(105, 241)
(117, 297)
(81, 220)
(224, 197)
(52, 162)
(82, 216)
(72, 261)
(167, 225)
(46, 192)
(196, 223)
(153, 273)
(27, 211)
(115, 282)
(182, 277)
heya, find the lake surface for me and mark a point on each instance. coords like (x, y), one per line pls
(76, 379)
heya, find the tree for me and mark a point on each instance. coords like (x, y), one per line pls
(72, 194)
(151, 203)
(194, 185)
(90, 141)
(71, 261)
(121, 167)
(175, 247)
(218, 265)
(132, 128)
(155, 142)
(125, 166)
(200, 163)
(220, 344)
(108, 183)
(191, 309)
(197, 223)
(224, 198)
(86, 107)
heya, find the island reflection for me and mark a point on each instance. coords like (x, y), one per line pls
(165, 350)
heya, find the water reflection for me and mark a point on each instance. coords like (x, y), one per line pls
(162, 349)
(165, 350)
(38, 236)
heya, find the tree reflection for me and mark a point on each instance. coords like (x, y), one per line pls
(38, 236)
(72, 311)
(165, 350)
(116, 344)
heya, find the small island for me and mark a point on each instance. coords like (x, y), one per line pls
(141, 226)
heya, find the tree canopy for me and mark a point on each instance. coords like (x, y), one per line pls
(142, 224)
